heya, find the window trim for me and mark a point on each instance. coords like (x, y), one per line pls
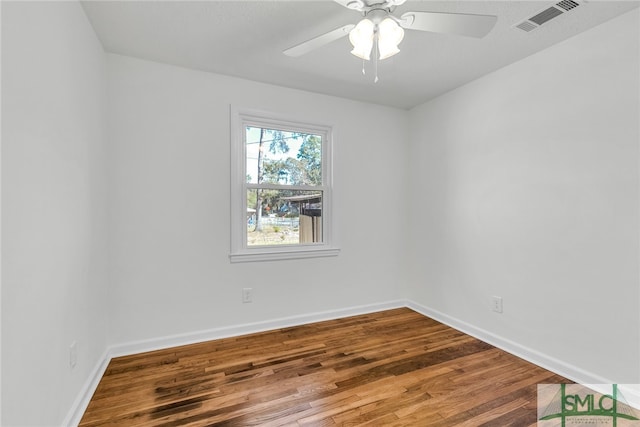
(240, 251)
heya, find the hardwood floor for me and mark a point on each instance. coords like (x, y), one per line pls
(392, 368)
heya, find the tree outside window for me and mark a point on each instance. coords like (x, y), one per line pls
(281, 188)
(280, 166)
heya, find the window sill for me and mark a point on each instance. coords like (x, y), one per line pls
(283, 255)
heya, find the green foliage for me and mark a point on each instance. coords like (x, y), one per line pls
(305, 169)
(278, 141)
(310, 155)
(289, 171)
(252, 197)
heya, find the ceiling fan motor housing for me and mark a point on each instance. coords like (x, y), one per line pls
(366, 6)
(377, 15)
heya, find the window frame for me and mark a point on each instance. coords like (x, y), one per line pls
(240, 250)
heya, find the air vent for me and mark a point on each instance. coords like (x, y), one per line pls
(527, 26)
(546, 15)
(567, 5)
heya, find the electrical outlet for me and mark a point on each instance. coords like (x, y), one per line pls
(73, 354)
(496, 304)
(247, 295)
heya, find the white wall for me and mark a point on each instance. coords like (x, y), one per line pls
(169, 168)
(529, 179)
(523, 184)
(54, 277)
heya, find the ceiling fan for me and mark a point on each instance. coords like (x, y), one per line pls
(380, 31)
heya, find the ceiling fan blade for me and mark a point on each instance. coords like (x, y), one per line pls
(352, 4)
(316, 42)
(449, 23)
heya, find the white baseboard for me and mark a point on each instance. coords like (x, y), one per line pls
(159, 343)
(630, 392)
(86, 392)
(543, 360)
(84, 397)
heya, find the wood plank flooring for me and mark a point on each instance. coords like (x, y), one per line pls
(392, 368)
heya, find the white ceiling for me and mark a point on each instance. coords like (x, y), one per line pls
(246, 39)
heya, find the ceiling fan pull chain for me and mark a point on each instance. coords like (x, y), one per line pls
(375, 61)
(364, 73)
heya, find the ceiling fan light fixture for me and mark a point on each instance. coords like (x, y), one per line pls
(387, 50)
(390, 34)
(361, 37)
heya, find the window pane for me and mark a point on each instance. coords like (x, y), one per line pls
(283, 217)
(286, 158)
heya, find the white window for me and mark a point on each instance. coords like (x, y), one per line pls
(280, 188)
